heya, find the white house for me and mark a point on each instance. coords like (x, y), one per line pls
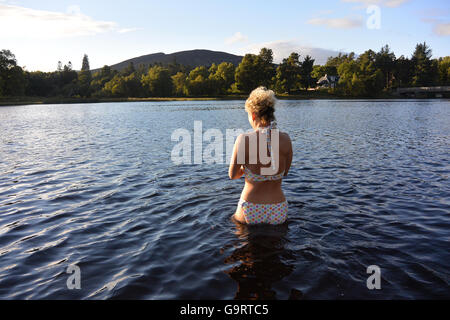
(328, 81)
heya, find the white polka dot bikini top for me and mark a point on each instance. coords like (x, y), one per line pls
(258, 178)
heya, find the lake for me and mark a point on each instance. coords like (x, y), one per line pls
(94, 186)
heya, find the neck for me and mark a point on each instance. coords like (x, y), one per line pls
(262, 125)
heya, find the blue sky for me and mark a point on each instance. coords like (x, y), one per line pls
(42, 32)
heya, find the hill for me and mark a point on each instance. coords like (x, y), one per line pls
(193, 58)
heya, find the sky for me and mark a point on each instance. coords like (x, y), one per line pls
(41, 33)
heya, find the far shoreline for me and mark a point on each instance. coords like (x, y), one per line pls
(21, 101)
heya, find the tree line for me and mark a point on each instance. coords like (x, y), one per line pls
(368, 74)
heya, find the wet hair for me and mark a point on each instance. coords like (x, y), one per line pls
(262, 102)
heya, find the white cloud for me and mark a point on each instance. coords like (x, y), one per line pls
(283, 48)
(21, 22)
(235, 38)
(337, 23)
(386, 3)
(442, 29)
(438, 18)
(394, 3)
(127, 30)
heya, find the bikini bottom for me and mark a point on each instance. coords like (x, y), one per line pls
(255, 213)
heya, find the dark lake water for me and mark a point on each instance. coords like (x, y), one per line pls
(94, 185)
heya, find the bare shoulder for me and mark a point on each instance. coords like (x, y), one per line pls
(246, 135)
(243, 138)
(285, 138)
(285, 143)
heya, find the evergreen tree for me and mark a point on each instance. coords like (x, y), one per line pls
(267, 68)
(361, 77)
(255, 71)
(85, 78)
(425, 72)
(288, 74)
(403, 72)
(305, 72)
(385, 61)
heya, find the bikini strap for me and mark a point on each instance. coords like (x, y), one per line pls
(268, 132)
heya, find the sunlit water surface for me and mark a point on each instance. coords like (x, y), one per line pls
(94, 185)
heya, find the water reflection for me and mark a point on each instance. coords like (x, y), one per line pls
(260, 259)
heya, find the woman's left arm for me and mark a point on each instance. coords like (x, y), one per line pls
(235, 171)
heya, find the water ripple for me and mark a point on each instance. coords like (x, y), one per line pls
(93, 185)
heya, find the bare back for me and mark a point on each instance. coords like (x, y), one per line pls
(266, 192)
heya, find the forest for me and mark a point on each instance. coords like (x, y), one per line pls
(369, 74)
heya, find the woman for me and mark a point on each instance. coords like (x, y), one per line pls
(262, 200)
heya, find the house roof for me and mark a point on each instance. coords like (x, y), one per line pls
(328, 79)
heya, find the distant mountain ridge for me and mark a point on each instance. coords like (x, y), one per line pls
(193, 58)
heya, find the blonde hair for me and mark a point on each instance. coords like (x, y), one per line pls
(262, 102)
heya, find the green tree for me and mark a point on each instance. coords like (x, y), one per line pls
(174, 67)
(361, 77)
(123, 86)
(223, 77)
(128, 70)
(157, 82)
(15, 82)
(267, 68)
(288, 74)
(115, 87)
(179, 84)
(41, 84)
(444, 71)
(100, 78)
(306, 69)
(369, 74)
(199, 71)
(7, 63)
(385, 61)
(348, 80)
(198, 82)
(255, 71)
(85, 78)
(403, 72)
(246, 75)
(133, 86)
(68, 81)
(12, 77)
(319, 71)
(425, 72)
(213, 69)
(334, 62)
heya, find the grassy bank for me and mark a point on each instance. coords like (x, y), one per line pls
(12, 101)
